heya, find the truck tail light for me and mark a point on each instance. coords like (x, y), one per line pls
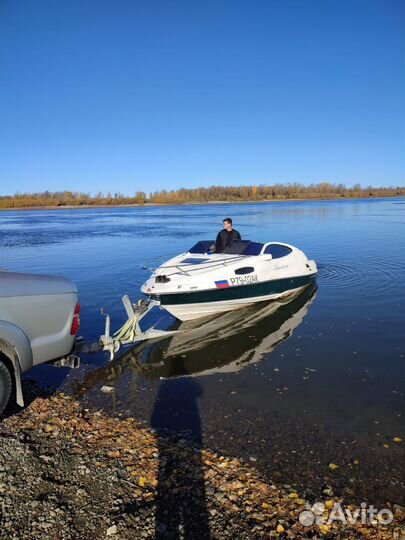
(76, 321)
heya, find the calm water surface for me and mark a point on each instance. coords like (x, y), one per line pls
(293, 387)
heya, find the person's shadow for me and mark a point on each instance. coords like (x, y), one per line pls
(181, 510)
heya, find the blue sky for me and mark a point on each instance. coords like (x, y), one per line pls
(127, 95)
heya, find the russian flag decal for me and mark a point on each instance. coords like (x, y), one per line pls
(223, 284)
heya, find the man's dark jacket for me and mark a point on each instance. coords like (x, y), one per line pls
(225, 239)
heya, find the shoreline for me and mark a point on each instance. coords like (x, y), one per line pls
(190, 203)
(68, 472)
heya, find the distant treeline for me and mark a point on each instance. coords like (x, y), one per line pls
(69, 198)
(323, 190)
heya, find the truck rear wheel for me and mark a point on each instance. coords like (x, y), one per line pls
(6, 385)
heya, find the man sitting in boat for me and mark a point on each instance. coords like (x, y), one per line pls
(226, 236)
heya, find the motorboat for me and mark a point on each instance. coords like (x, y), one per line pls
(201, 282)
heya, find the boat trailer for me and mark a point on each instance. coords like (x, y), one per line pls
(130, 332)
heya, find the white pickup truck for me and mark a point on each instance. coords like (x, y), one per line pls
(39, 321)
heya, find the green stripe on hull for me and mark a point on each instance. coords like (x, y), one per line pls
(235, 293)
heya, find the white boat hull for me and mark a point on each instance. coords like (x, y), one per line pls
(188, 312)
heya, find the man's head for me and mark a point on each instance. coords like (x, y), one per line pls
(227, 224)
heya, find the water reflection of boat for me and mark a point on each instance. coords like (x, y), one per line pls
(228, 342)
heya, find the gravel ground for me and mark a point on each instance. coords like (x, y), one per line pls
(72, 473)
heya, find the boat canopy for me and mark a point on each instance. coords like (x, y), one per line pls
(277, 251)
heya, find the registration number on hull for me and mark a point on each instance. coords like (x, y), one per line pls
(244, 280)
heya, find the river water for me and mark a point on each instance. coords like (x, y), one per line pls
(291, 387)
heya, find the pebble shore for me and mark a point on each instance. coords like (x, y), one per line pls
(67, 472)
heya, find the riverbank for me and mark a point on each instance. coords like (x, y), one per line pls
(70, 472)
(193, 203)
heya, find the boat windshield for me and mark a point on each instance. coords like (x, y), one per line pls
(244, 247)
(238, 247)
(203, 246)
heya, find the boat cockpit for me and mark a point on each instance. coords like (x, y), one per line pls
(242, 247)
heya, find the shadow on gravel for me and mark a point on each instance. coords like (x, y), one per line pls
(181, 510)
